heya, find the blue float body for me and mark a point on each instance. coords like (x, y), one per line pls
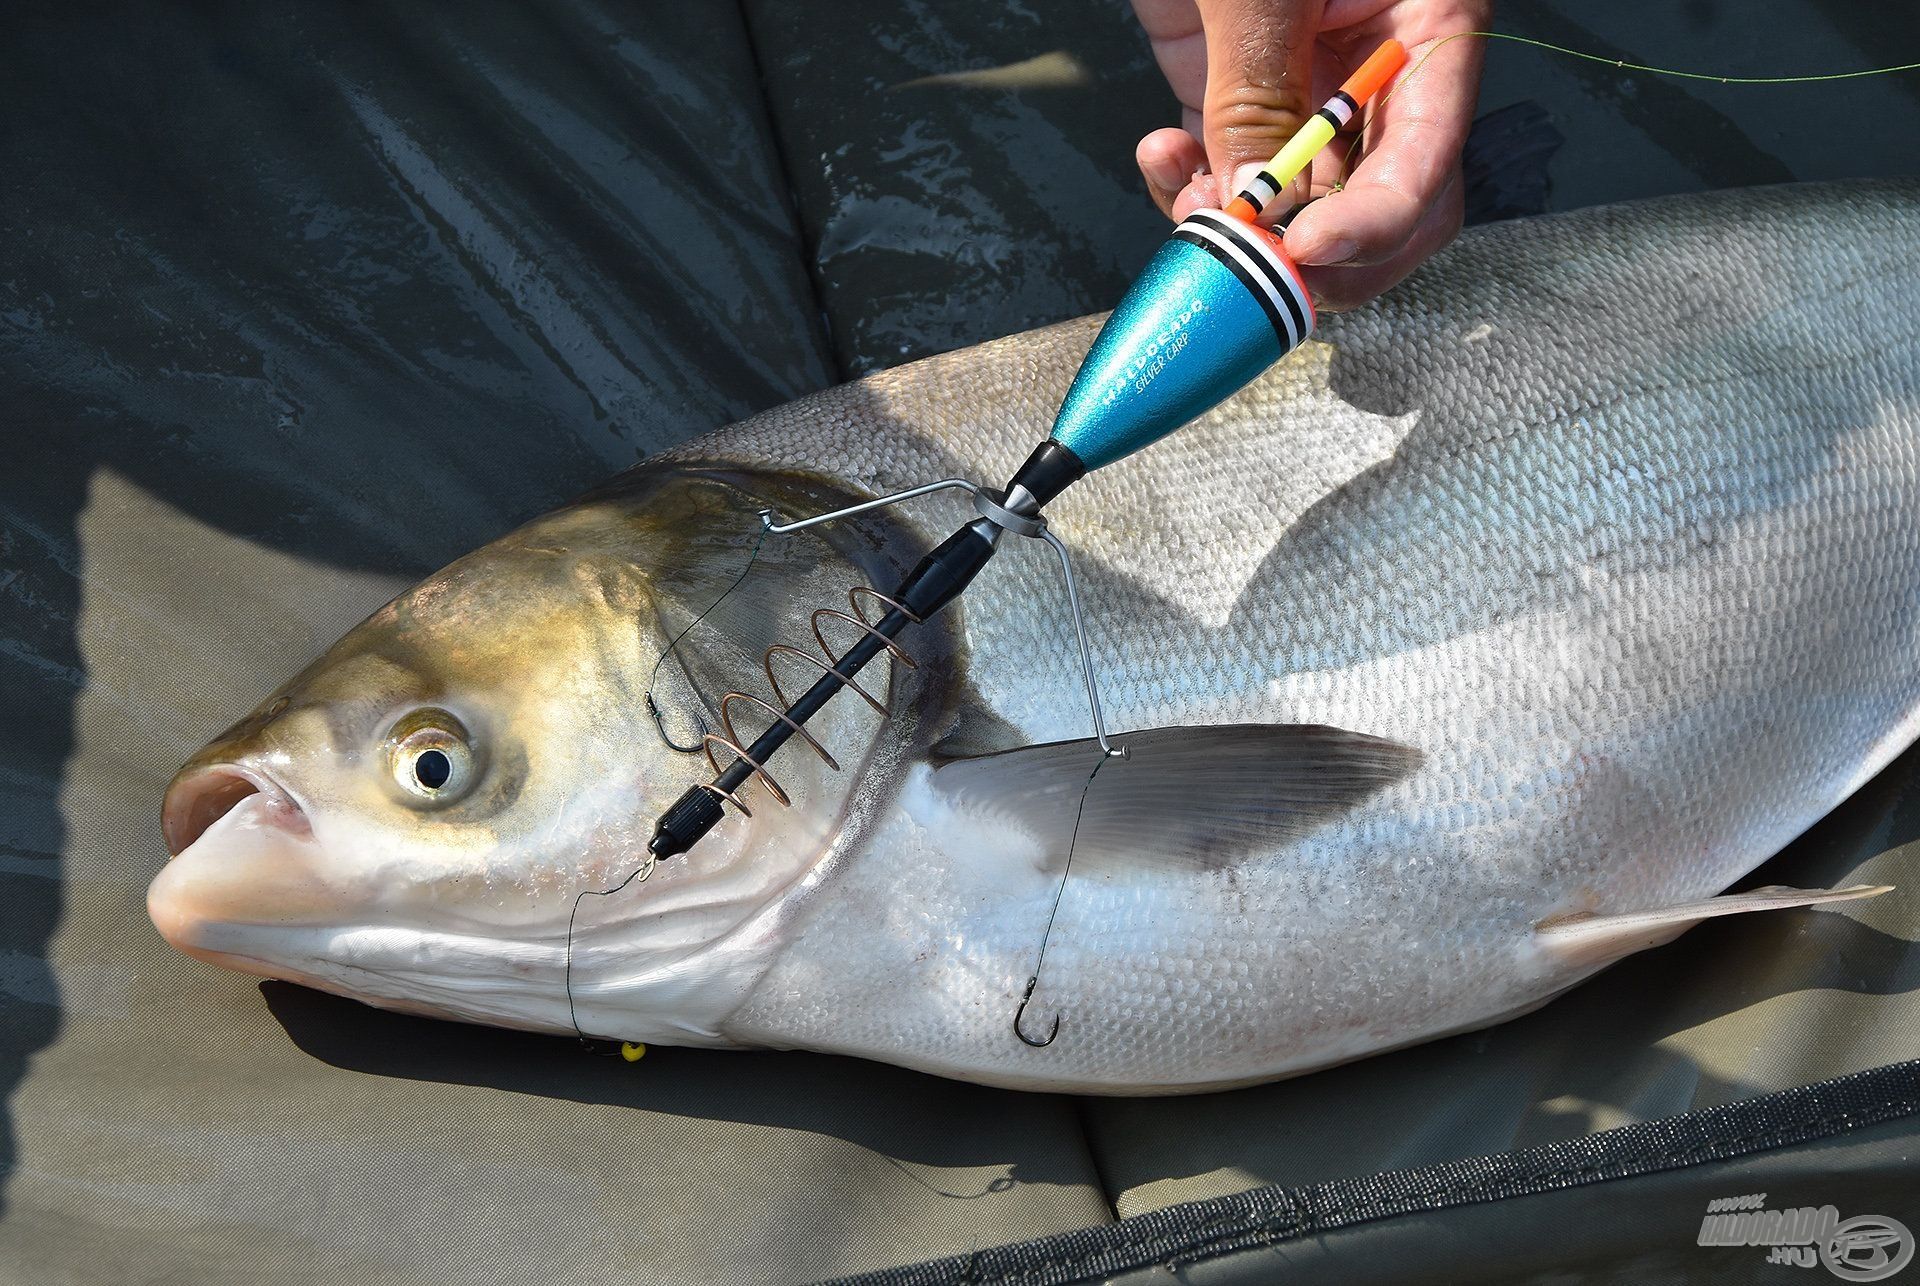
(1188, 335)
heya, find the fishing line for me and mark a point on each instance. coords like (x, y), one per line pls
(1047, 935)
(637, 874)
(1000, 1183)
(653, 707)
(1622, 64)
(641, 873)
(951, 566)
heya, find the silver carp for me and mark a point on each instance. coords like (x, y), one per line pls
(1480, 644)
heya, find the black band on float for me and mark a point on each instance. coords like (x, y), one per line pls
(1233, 266)
(1280, 282)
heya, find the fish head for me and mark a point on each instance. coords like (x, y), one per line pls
(431, 816)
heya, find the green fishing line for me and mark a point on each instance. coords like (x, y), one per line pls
(1623, 65)
(1352, 156)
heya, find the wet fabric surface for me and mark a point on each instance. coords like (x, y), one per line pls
(968, 173)
(298, 303)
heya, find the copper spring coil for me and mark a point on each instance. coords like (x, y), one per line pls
(730, 736)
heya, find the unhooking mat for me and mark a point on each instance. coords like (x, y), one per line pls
(298, 301)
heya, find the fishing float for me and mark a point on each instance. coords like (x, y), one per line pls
(1217, 305)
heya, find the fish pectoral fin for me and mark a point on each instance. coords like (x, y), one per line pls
(1200, 797)
(1589, 939)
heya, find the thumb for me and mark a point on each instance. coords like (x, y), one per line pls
(1259, 81)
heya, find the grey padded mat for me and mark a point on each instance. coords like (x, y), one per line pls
(299, 301)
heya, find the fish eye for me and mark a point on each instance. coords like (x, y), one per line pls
(430, 757)
(432, 768)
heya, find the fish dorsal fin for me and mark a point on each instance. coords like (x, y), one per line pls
(1589, 939)
(1199, 797)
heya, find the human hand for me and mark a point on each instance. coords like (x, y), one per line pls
(1249, 73)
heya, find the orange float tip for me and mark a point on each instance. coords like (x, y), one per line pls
(1375, 72)
(1242, 209)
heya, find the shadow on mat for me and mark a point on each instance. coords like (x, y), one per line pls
(709, 1084)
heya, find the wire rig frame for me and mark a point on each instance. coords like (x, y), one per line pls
(988, 504)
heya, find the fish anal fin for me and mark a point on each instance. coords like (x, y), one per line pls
(1586, 939)
(1195, 797)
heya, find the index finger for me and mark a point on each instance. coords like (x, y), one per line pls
(1419, 130)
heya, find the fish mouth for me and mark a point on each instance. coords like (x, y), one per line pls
(241, 850)
(202, 796)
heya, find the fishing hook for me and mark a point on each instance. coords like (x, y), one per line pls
(672, 649)
(1046, 935)
(1021, 1012)
(660, 726)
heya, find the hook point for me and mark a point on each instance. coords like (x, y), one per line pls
(1021, 1013)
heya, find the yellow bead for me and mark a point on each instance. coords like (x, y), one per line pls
(632, 1051)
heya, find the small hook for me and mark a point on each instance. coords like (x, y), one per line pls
(660, 726)
(1021, 1012)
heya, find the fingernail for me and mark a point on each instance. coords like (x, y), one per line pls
(1327, 252)
(1165, 173)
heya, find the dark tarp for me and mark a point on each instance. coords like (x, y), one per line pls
(298, 301)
